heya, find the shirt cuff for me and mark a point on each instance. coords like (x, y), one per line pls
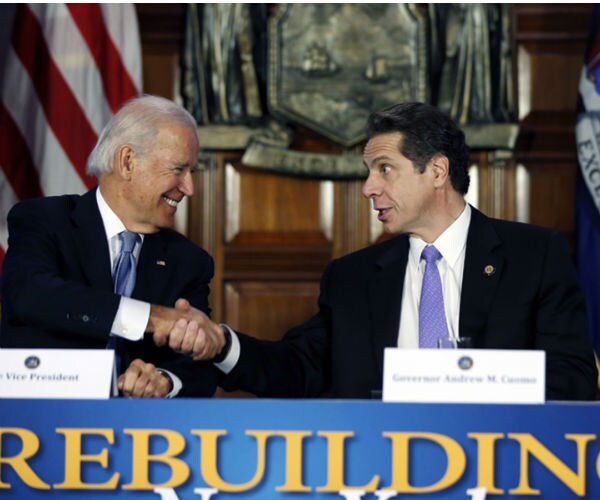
(131, 319)
(175, 380)
(233, 355)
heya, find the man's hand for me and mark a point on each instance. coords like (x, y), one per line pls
(144, 380)
(161, 322)
(186, 330)
(199, 337)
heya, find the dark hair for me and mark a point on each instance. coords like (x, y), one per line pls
(425, 131)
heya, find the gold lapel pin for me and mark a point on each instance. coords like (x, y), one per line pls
(489, 270)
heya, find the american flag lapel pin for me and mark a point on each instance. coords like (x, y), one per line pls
(162, 263)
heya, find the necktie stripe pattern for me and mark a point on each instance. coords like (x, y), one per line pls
(432, 315)
(125, 272)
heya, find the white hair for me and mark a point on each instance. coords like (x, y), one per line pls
(135, 124)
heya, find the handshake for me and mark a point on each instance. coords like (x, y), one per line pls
(186, 330)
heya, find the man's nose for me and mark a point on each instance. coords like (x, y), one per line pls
(370, 187)
(187, 184)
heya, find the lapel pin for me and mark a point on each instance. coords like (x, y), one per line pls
(161, 263)
(489, 270)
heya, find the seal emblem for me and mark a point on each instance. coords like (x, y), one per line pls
(465, 362)
(32, 362)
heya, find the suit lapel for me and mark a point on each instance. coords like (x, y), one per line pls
(92, 248)
(385, 293)
(90, 241)
(154, 268)
(483, 268)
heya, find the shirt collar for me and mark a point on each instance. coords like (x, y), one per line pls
(112, 223)
(450, 243)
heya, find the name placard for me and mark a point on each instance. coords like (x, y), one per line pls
(464, 376)
(56, 373)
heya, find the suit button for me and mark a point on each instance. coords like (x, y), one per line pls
(85, 318)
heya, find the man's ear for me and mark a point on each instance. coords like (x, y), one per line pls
(125, 161)
(440, 167)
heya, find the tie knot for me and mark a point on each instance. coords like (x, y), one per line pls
(128, 240)
(430, 254)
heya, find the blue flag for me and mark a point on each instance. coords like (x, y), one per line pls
(588, 181)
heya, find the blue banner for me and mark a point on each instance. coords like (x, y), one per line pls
(588, 181)
(297, 450)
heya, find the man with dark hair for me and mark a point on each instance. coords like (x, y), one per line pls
(425, 132)
(105, 269)
(450, 272)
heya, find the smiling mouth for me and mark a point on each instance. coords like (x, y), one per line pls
(381, 212)
(170, 202)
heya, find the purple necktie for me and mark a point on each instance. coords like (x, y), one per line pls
(432, 316)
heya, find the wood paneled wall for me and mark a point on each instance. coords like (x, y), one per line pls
(272, 235)
(549, 41)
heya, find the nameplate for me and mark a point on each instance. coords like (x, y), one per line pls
(464, 376)
(56, 373)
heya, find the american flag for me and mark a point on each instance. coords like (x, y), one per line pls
(68, 69)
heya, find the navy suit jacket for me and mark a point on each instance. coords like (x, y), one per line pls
(531, 301)
(57, 288)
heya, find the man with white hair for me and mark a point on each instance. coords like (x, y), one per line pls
(105, 269)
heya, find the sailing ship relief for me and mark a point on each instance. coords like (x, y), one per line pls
(331, 65)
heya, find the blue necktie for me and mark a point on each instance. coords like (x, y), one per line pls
(432, 316)
(124, 283)
(124, 276)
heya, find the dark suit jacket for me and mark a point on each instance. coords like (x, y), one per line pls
(57, 284)
(531, 301)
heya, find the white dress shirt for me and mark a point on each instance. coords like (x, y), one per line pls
(132, 315)
(452, 245)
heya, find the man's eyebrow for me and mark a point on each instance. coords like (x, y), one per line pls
(377, 159)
